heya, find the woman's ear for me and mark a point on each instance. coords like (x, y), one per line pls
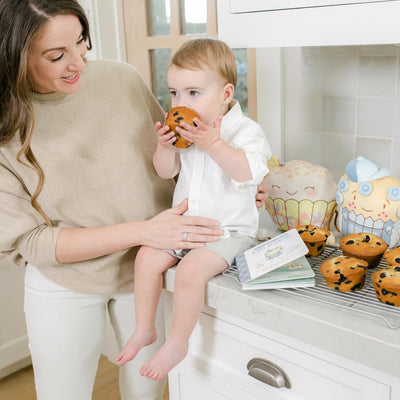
(229, 90)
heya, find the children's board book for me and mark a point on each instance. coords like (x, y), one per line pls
(279, 262)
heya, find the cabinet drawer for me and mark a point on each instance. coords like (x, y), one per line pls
(240, 6)
(223, 351)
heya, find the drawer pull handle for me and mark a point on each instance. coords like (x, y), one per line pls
(268, 372)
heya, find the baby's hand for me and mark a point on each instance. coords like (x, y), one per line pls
(202, 135)
(166, 137)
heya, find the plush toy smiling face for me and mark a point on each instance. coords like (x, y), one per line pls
(300, 193)
(369, 201)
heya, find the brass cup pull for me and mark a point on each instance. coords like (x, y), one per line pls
(268, 372)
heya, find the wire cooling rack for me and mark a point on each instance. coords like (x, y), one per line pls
(363, 301)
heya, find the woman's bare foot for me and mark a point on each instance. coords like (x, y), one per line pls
(169, 355)
(139, 339)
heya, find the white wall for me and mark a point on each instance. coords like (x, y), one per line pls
(337, 103)
(14, 352)
(107, 29)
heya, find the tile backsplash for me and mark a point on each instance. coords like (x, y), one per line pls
(342, 102)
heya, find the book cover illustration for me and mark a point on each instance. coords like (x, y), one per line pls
(278, 262)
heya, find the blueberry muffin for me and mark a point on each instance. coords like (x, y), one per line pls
(314, 238)
(344, 273)
(386, 282)
(364, 245)
(392, 257)
(174, 117)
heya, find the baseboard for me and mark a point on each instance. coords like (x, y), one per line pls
(14, 355)
(15, 367)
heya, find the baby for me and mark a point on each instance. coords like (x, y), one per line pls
(218, 175)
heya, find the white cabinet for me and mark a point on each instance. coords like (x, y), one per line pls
(221, 347)
(286, 23)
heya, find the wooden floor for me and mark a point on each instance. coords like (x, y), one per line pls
(20, 385)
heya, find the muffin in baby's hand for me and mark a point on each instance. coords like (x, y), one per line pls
(175, 116)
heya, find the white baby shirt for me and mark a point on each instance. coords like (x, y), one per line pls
(211, 192)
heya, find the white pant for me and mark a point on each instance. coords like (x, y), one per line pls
(66, 331)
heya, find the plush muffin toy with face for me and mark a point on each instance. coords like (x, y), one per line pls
(300, 193)
(368, 199)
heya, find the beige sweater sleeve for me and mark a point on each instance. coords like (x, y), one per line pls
(23, 233)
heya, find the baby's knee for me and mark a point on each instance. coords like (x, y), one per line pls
(188, 275)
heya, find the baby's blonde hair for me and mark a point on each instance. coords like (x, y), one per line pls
(207, 54)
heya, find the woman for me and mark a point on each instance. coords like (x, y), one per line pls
(78, 194)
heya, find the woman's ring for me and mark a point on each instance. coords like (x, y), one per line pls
(185, 236)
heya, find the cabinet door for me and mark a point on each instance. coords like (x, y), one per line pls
(283, 23)
(219, 353)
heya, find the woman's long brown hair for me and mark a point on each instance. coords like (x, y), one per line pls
(20, 22)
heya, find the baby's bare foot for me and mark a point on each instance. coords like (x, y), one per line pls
(139, 339)
(169, 355)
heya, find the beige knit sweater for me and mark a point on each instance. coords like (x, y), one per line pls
(96, 148)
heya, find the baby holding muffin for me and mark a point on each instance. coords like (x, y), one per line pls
(218, 175)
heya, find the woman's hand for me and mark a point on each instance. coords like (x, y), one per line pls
(167, 230)
(261, 195)
(172, 230)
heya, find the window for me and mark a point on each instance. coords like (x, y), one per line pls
(154, 30)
